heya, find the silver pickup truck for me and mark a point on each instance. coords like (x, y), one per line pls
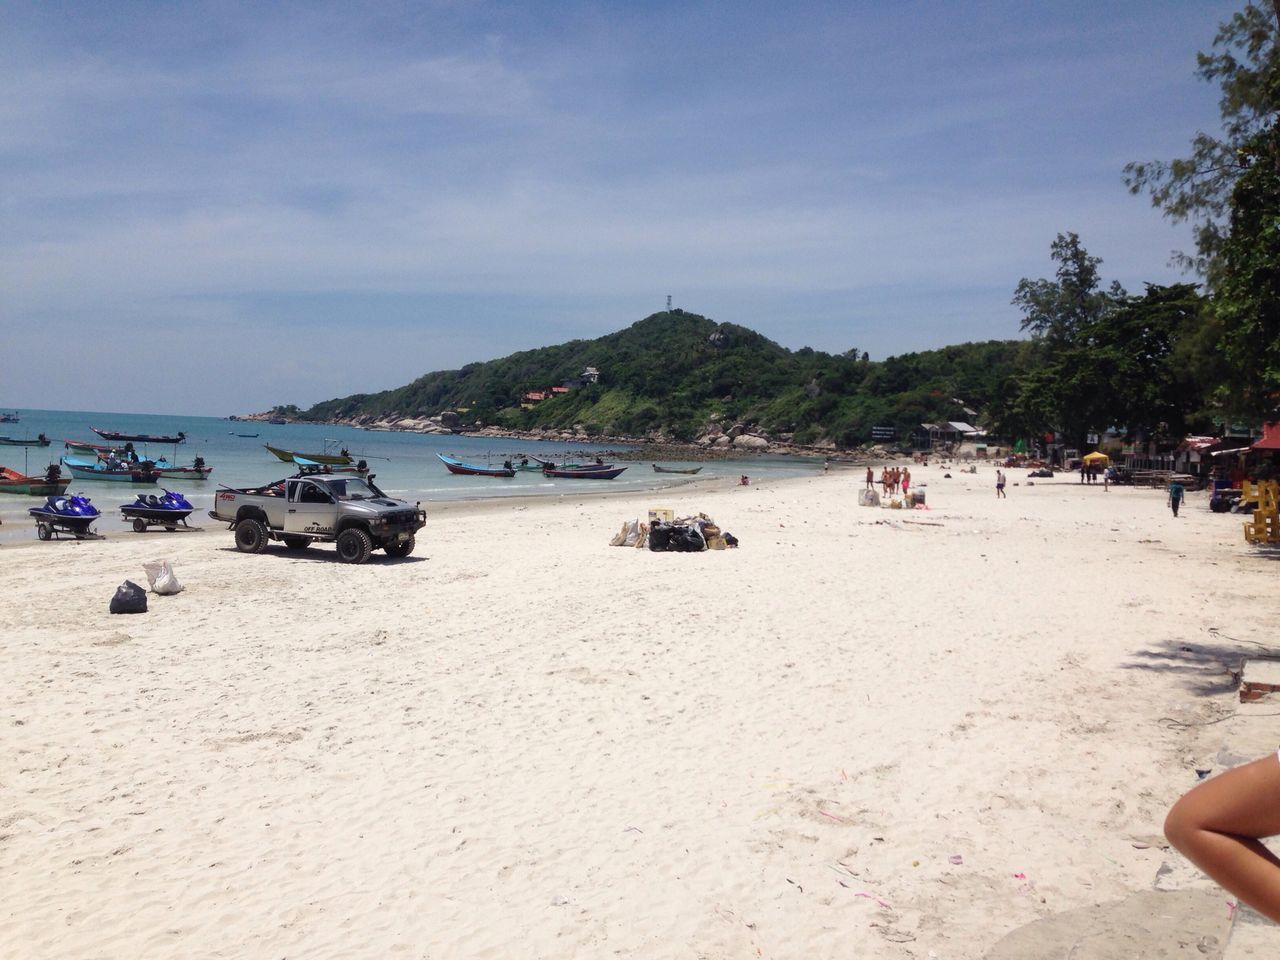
(319, 508)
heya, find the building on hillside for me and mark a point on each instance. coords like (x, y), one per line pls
(590, 375)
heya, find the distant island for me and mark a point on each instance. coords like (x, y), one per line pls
(1155, 366)
(678, 377)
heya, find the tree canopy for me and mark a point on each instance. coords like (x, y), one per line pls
(1229, 188)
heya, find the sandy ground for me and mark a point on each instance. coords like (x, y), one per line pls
(865, 733)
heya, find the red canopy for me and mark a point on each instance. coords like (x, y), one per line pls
(1270, 437)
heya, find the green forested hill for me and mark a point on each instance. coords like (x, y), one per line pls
(676, 372)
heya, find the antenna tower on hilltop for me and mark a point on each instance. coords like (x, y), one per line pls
(668, 303)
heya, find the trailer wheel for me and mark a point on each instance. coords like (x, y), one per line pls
(251, 536)
(399, 549)
(354, 545)
(139, 525)
(44, 531)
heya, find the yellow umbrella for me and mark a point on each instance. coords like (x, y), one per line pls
(1096, 457)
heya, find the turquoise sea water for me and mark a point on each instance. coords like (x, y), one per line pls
(405, 464)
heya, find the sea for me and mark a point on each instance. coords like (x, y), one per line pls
(404, 465)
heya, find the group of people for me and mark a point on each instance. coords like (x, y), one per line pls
(1090, 472)
(893, 480)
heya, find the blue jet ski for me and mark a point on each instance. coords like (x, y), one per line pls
(72, 514)
(165, 511)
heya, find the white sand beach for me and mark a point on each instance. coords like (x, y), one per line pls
(865, 733)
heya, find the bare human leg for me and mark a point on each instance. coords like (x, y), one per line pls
(1217, 826)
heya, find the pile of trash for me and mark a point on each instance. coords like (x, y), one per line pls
(131, 598)
(665, 533)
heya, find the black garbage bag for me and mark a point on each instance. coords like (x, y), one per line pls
(660, 536)
(687, 540)
(129, 598)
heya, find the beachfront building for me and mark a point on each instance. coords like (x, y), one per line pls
(948, 434)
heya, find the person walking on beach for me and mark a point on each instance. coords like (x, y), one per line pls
(1000, 485)
(1219, 826)
(906, 480)
(1176, 492)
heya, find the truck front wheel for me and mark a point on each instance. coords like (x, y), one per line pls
(354, 545)
(251, 536)
(400, 549)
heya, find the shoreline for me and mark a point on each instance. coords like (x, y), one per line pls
(655, 448)
(863, 728)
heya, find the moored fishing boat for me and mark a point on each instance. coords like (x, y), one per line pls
(658, 469)
(49, 483)
(343, 458)
(454, 465)
(306, 466)
(196, 470)
(127, 473)
(567, 465)
(38, 441)
(82, 446)
(598, 473)
(180, 437)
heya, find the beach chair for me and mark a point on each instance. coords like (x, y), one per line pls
(1265, 525)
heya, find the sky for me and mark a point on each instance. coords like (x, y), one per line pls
(212, 208)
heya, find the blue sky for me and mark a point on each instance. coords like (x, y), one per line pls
(299, 201)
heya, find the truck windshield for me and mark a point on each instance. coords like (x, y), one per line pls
(350, 488)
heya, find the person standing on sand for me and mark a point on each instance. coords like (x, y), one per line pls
(1219, 826)
(1000, 485)
(1176, 492)
(906, 480)
(871, 479)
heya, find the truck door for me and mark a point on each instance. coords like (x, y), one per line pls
(311, 509)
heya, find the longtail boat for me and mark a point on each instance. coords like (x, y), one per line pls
(46, 484)
(197, 470)
(583, 474)
(454, 465)
(81, 446)
(342, 459)
(360, 469)
(658, 469)
(128, 473)
(38, 441)
(566, 465)
(138, 437)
